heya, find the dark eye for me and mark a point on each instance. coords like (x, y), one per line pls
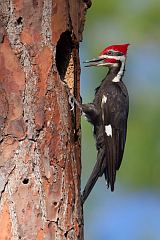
(109, 53)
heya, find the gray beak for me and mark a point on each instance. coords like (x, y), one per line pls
(94, 62)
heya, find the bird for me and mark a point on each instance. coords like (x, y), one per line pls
(108, 113)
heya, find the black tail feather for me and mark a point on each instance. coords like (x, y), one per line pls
(96, 173)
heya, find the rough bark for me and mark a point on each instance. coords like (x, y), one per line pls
(39, 135)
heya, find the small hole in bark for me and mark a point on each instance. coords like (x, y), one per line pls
(55, 203)
(49, 224)
(25, 181)
(63, 53)
(19, 20)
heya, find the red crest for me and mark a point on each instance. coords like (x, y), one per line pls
(120, 48)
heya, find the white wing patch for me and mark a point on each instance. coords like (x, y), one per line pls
(108, 130)
(104, 99)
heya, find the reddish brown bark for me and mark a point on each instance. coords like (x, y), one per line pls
(39, 136)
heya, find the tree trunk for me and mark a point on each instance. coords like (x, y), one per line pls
(40, 164)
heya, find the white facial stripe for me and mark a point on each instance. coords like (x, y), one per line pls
(102, 56)
(108, 130)
(118, 58)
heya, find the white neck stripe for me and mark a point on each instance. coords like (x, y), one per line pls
(119, 74)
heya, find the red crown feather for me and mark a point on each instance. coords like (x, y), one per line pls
(120, 48)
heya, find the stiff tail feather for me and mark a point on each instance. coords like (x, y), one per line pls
(98, 170)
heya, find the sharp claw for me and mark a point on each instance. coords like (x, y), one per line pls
(71, 102)
(72, 99)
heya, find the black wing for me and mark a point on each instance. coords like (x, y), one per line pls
(114, 117)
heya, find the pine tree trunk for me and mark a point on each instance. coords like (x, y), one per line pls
(40, 164)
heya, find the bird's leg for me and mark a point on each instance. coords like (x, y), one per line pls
(72, 99)
(88, 110)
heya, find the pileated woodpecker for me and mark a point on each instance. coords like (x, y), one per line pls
(108, 113)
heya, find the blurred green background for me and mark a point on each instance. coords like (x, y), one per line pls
(132, 212)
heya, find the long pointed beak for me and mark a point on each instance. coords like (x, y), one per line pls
(94, 61)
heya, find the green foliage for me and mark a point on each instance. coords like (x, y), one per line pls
(134, 20)
(141, 163)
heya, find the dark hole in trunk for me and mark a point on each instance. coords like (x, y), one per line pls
(63, 53)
